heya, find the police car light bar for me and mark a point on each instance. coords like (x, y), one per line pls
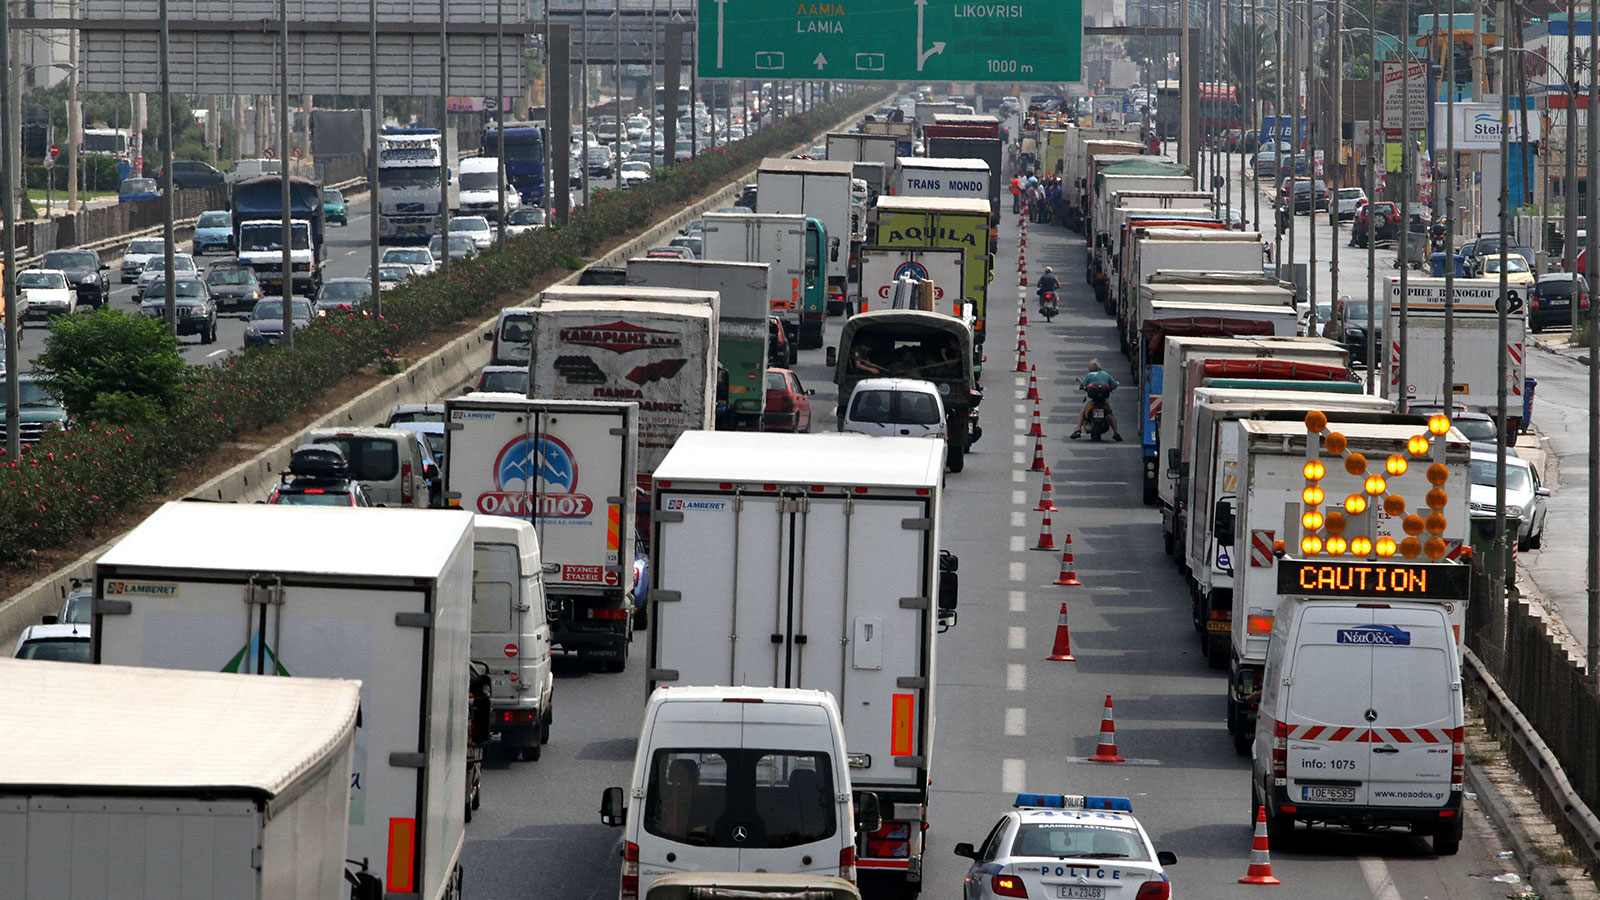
(1072, 801)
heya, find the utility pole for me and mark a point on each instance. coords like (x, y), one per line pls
(75, 117)
(446, 164)
(1498, 569)
(8, 239)
(1569, 246)
(1336, 172)
(375, 114)
(1402, 385)
(169, 190)
(287, 234)
(1593, 582)
(1374, 121)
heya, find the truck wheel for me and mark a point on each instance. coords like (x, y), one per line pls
(1280, 829)
(544, 728)
(641, 619)
(1448, 841)
(614, 666)
(1216, 652)
(533, 751)
(956, 457)
(1242, 741)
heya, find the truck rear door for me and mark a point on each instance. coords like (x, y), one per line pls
(1416, 710)
(1329, 694)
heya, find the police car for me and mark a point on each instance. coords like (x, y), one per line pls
(1067, 847)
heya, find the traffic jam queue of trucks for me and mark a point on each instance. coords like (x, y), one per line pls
(1320, 530)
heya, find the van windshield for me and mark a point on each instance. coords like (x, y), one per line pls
(713, 797)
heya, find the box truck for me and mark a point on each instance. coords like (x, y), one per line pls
(819, 555)
(818, 189)
(656, 353)
(382, 596)
(969, 137)
(793, 245)
(162, 784)
(569, 467)
(941, 222)
(742, 321)
(867, 148)
(917, 176)
(1272, 459)
(881, 267)
(1477, 344)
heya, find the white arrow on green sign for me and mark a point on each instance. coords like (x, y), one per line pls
(892, 40)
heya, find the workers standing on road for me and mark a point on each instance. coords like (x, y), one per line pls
(1155, 144)
(1016, 193)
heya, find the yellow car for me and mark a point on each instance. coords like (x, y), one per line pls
(1518, 275)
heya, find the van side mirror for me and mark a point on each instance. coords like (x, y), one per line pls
(612, 811)
(364, 886)
(967, 850)
(869, 815)
(1172, 463)
(49, 620)
(833, 249)
(1166, 857)
(1223, 529)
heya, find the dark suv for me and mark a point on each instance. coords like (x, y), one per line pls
(1551, 302)
(1303, 196)
(197, 311)
(85, 272)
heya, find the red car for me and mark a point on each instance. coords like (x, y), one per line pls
(788, 403)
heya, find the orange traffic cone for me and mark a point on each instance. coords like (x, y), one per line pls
(1022, 353)
(1023, 281)
(1033, 383)
(1260, 871)
(1062, 651)
(1047, 540)
(1046, 502)
(1068, 577)
(1034, 430)
(1022, 317)
(1038, 455)
(1106, 750)
(1024, 238)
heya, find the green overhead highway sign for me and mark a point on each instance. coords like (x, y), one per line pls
(892, 40)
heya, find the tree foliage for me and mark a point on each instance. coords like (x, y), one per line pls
(114, 366)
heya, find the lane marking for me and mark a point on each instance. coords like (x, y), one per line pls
(1016, 459)
(1379, 880)
(1019, 440)
(1017, 545)
(1013, 775)
(1020, 409)
(1019, 424)
(1016, 677)
(1018, 520)
(1018, 571)
(216, 353)
(1019, 497)
(1131, 762)
(1017, 476)
(1018, 600)
(1016, 721)
(1016, 638)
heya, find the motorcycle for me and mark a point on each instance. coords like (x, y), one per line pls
(1048, 306)
(1100, 411)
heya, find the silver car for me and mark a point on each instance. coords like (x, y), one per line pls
(1524, 495)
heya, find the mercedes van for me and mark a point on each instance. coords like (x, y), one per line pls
(510, 633)
(1361, 715)
(737, 779)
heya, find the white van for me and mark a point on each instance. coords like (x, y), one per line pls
(510, 633)
(244, 169)
(737, 779)
(909, 407)
(480, 189)
(387, 461)
(1361, 719)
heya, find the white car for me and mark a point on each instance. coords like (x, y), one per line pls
(894, 406)
(475, 227)
(56, 641)
(526, 219)
(1346, 201)
(139, 252)
(635, 173)
(418, 258)
(46, 292)
(391, 276)
(182, 263)
(1065, 846)
(1524, 495)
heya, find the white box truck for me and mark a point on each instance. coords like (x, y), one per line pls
(570, 468)
(881, 267)
(917, 176)
(382, 596)
(1147, 251)
(1477, 343)
(818, 189)
(818, 556)
(156, 784)
(659, 354)
(1273, 457)
(864, 148)
(792, 246)
(742, 324)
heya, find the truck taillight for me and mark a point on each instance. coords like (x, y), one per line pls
(847, 864)
(1583, 301)
(608, 613)
(630, 870)
(1008, 886)
(1154, 890)
(1280, 750)
(1458, 759)
(405, 483)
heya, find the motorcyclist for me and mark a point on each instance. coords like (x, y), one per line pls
(1099, 384)
(1048, 281)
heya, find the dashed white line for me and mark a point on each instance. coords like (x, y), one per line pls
(1017, 638)
(1019, 497)
(1018, 520)
(217, 353)
(1019, 424)
(1020, 409)
(1018, 601)
(1016, 677)
(1018, 571)
(1017, 545)
(1017, 459)
(1013, 776)
(1016, 721)
(1018, 475)
(1019, 440)
(1379, 881)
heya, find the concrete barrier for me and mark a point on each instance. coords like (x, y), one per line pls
(422, 382)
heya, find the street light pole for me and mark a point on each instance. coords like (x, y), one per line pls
(1498, 569)
(1570, 181)
(373, 121)
(1593, 638)
(1374, 121)
(74, 116)
(8, 240)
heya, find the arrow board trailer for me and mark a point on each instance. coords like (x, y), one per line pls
(742, 326)
(232, 787)
(570, 468)
(1476, 342)
(381, 596)
(1209, 475)
(820, 554)
(818, 189)
(656, 351)
(881, 267)
(1272, 457)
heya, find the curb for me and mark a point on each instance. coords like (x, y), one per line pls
(1549, 881)
(1564, 352)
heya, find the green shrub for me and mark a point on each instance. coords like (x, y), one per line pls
(111, 352)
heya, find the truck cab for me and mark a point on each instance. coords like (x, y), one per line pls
(261, 248)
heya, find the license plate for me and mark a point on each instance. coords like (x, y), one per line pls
(411, 229)
(1079, 892)
(1554, 301)
(1328, 794)
(1223, 627)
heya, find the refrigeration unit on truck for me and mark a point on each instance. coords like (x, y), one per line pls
(792, 245)
(569, 467)
(742, 329)
(1209, 469)
(941, 222)
(658, 353)
(819, 555)
(1272, 464)
(1477, 344)
(817, 189)
(162, 784)
(382, 596)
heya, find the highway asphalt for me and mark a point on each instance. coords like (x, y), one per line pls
(1008, 720)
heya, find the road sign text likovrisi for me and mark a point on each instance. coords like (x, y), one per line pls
(892, 40)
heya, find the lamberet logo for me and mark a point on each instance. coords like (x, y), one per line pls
(678, 504)
(519, 469)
